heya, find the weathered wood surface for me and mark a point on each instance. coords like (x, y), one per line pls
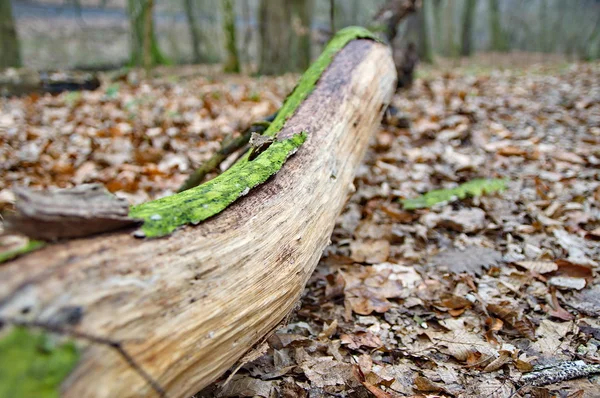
(188, 306)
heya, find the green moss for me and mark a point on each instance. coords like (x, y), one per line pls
(28, 247)
(476, 187)
(32, 365)
(163, 216)
(311, 76)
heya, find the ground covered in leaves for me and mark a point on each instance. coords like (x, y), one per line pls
(467, 298)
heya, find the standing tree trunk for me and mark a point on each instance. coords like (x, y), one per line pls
(390, 14)
(425, 48)
(10, 55)
(451, 44)
(247, 33)
(148, 34)
(274, 32)
(195, 35)
(232, 64)
(467, 26)
(141, 25)
(438, 28)
(499, 42)
(301, 26)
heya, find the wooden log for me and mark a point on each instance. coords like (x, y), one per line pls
(186, 307)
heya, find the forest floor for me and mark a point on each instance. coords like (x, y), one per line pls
(464, 299)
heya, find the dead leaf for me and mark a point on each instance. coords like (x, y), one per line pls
(425, 385)
(514, 318)
(540, 267)
(473, 260)
(370, 252)
(497, 363)
(361, 339)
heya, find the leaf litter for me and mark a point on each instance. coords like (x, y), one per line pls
(481, 291)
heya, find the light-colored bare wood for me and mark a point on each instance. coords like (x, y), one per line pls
(188, 306)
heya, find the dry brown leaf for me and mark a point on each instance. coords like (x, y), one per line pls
(567, 282)
(368, 288)
(593, 234)
(511, 150)
(361, 339)
(425, 385)
(376, 391)
(514, 318)
(370, 252)
(503, 359)
(569, 157)
(541, 267)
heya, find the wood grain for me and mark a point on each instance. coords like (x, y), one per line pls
(188, 306)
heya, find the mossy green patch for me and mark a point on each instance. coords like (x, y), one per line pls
(28, 247)
(32, 365)
(476, 187)
(163, 216)
(309, 79)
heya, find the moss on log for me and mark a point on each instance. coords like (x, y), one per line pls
(163, 216)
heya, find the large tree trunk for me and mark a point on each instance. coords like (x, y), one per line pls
(232, 63)
(301, 26)
(425, 47)
(186, 307)
(195, 34)
(452, 48)
(274, 29)
(141, 25)
(391, 14)
(468, 20)
(438, 26)
(498, 37)
(10, 55)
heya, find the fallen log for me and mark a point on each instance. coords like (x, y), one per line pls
(167, 316)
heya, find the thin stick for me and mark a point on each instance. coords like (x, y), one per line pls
(227, 148)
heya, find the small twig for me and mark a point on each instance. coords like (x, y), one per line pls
(116, 345)
(227, 148)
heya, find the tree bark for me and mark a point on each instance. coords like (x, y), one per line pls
(391, 14)
(301, 25)
(188, 306)
(274, 29)
(10, 55)
(232, 64)
(195, 35)
(452, 47)
(498, 36)
(425, 47)
(438, 28)
(467, 28)
(141, 25)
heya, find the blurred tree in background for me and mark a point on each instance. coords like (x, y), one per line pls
(195, 32)
(277, 36)
(232, 62)
(285, 40)
(468, 19)
(10, 55)
(143, 44)
(498, 39)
